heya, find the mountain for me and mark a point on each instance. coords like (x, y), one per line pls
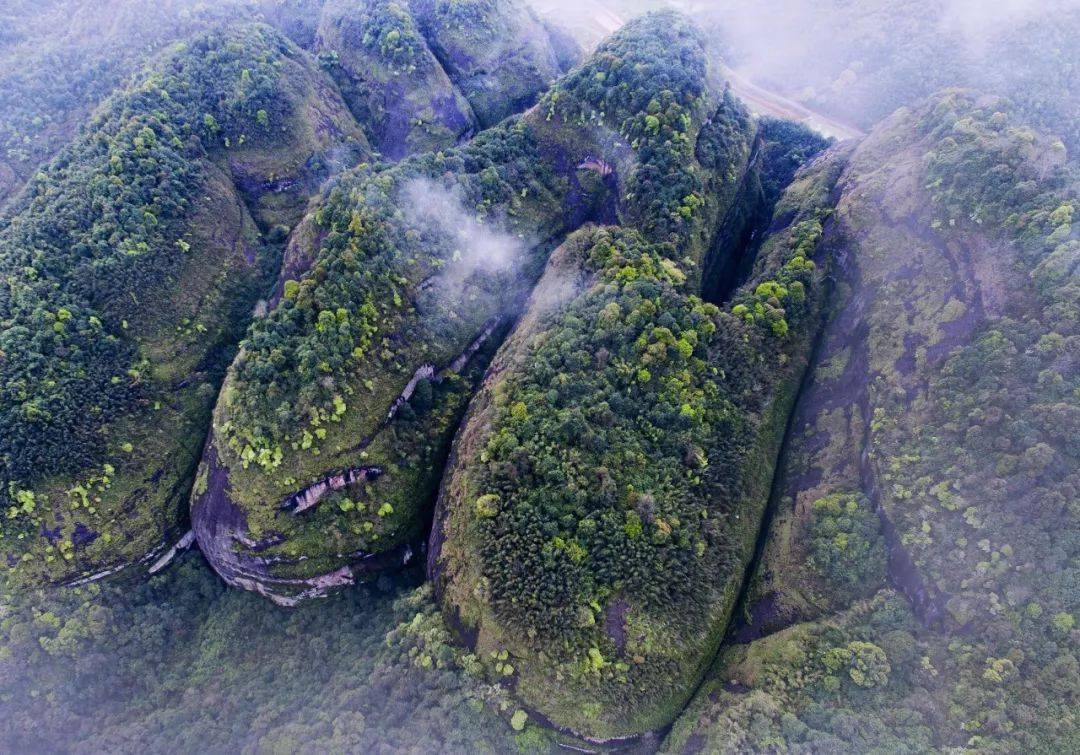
(534, 403)
(133, 263)
(913, 589)
(338, 412)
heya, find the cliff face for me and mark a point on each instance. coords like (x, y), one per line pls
(392, 80)
(924, 507)
(278, 168)
(412, 332)
(897, 321)
(426, 75)
(498, 54)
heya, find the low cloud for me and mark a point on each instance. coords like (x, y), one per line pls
(478, 247)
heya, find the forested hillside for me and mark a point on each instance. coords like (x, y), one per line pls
(918, 586)
(851, 64)
(182, 663)
(59, 60)
(132, 265)
(605, 490)
(131, 262)
(392, 375)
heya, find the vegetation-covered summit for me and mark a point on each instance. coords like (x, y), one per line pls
(606, 489)
(129, 263)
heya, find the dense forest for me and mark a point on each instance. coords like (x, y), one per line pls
(181, 190)
(458, 375)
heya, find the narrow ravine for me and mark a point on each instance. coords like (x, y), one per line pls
(748, 620)
(739, 234)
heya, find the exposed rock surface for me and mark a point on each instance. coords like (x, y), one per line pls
(498, 54)
(393, 82)
(896, 320)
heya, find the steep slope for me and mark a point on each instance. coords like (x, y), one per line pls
(498, 53)
(425, 75)
(608, 485)
(391, 79)
(405, 278)
(247, 127)
(920, 574)
(130, 267)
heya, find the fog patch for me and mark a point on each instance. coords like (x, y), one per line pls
(476, 246)
(556, 289)
(821, 53)
(977, 21)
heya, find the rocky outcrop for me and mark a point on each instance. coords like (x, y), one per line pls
(592, 663)
(393, 82)
(266, 565)
(179, 547)
(221, 531)
(318, 139)
(897, 319)
(425, 76)
(310, 496)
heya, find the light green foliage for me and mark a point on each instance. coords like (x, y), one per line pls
(391, 31)
(868, 664)
(775, 302)
(517, 721)
(609, 481)
(622, 86)
(570, 530)
(846, 546)
(379, 301)
(61, 63)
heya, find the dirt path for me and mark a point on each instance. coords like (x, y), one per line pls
(765, 102)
